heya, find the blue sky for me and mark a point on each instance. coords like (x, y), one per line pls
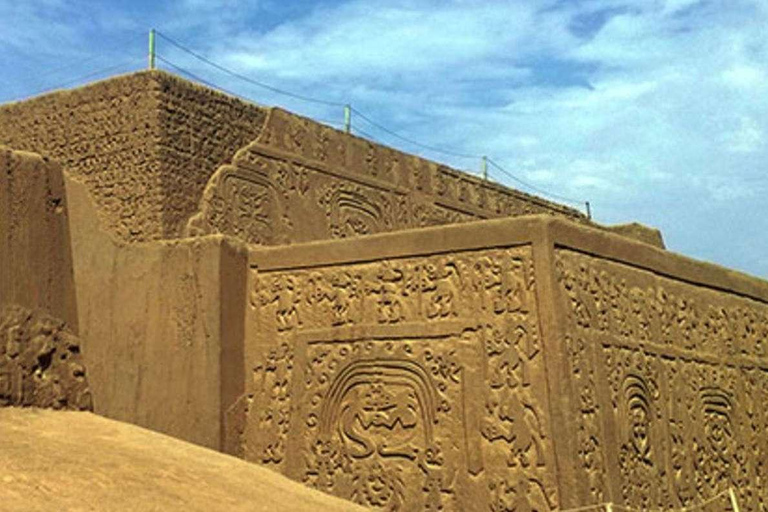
(654, 111)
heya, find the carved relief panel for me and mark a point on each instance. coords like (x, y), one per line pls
(671, 381)
(301, 181)
(406, 384)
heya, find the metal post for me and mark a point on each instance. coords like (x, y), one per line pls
(734, 503)
(347, 118)
(152, 49)
(484, 167)
(589, 211)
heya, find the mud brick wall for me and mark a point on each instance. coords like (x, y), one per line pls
(403, 372)
(301, 181)
(161, 324)
(145, 144)
(512, 364)
(668, 385)
(35, 252)
(41, 364)
(149, 144)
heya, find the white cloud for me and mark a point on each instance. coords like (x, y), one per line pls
(656, 111)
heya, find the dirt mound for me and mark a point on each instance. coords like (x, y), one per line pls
(64, 460)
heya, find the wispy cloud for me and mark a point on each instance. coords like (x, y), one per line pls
(652, 110)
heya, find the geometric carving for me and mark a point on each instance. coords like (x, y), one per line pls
(680, 365)
(414, 383)
(302, 181)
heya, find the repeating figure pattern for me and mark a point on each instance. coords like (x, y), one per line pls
(670, 377)
(302, 181)
(406, 384)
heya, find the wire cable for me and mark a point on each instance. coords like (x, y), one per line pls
(364, 133)
(533, 187)
(360, 114)
(411, 141)
(245, 78)
(84, 77)
(203, 81)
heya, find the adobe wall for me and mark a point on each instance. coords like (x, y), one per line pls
(35, 252)
(145, 144)
(301, 181)
(41, 364)
(161, 325)
(503, 365)
(667, 375)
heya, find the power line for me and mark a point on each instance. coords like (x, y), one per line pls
(364, 133)
(84, 77)
(200, 79)
(533, 187)
(352, 109)
(411, 141)
(247, 79)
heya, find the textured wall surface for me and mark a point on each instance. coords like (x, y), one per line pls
(40, 362)
(413, 380)
(161, 324)
(508, 365)
(145, 145)
(302, 181)
(669, 386)
(35, 252)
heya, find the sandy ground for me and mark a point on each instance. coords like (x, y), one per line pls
(77, 461)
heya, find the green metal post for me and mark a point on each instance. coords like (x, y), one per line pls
(152, 49)
(347, 118)
(484, 167)
(589, 211)
(734, 502)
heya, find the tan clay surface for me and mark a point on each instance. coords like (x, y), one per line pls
(162, 325)
(145, 144)
(505, 365)
(447, 361)
(78, 462)
(301, 181)
(35, 254)
(41, 364)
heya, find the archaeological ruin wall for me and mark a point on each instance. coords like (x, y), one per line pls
(40, 356)
(147, 145)
(505, 365)
(302, 181)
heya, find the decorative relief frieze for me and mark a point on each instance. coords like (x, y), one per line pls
(298, 171)
(684, 373)
(417, 383)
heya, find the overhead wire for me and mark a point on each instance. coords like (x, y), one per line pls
(411, 141)
(367, 119)
(533, 187)
(82, 78)
(119, 43)
(352, 109)
(246, 78)
(198, 78)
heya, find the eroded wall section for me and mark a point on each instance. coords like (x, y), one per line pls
(668, 386)
(411, 382)
(302, 181)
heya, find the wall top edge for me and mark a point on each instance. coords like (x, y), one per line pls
(538, 230)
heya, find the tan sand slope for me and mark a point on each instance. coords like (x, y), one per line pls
(78, 461)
